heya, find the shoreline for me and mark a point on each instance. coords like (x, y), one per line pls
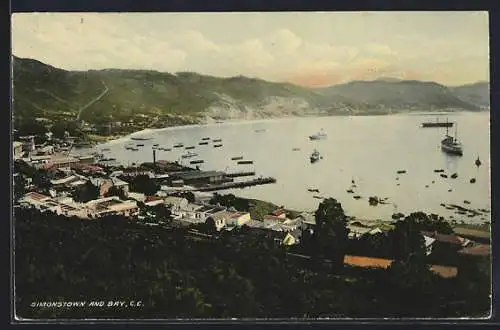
(238, 121)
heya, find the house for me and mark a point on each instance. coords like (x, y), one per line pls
(188, 211)
(308, 220)
(112, 205)
(428, 241)
(280, 213)
(47, 150)
(153, 200)
(238, 218)
(219, 219)
(290, 240)
(17, 148)
(272, 219)
(28, 143)
(478, 250)
(140, 197)
(34, 198)
(356, 231)
(70, 181)
(122, 185)
(370, 262)
(453, 240)
(59, 162)
(86, 159)
(292, 225)
(176, 203)
(255, 224)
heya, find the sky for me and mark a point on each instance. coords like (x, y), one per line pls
(304, 48)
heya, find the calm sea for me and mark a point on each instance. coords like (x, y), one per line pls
(368, 150)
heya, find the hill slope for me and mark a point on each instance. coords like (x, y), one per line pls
(42, 90)
(478, 93)
(390, 95)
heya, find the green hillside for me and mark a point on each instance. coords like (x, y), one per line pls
(144, 98)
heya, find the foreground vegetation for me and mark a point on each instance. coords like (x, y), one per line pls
(242, 273)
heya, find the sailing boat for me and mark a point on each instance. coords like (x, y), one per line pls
(315, 156)
(321, 135)
(478, 162)
(451, 145)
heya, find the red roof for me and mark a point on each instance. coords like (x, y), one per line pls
(478, 250)
(89, 167)
(36, 196)
(236, 214)
(279, 212)
(273, 217)
(451, 239)
(152, 199)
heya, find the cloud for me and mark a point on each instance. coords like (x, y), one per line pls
(284, 53)
(380, 49)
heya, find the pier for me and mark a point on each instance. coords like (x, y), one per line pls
(239, 174)
(230, 185)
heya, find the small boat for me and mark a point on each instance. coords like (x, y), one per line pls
(203, 143)
(321, 135)
(217, 140)
(315, 156)
(401, 172)
(437, 123)
(217, 145)
(237, 158)
(134, 149)
(189, 155)
(198, 161)
(178, 145)
(219, 122)
(296, 149)
(478, 162)
(105, 149)
(242, 162)
(313, 190)
(156, 145)
(167, 149)
(140, 145)
(454, 176)
(189, 148)
(473, 180)
(205, 139)
(439, 171)
(451, 145)
(140, 138)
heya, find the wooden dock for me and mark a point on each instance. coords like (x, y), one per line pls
(231, 185)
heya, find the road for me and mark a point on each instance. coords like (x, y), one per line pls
(106, 89)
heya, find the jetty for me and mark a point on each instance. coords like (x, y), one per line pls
(239, 174)
(231, 185)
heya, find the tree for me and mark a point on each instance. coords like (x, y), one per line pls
(331, 231)
(115, 191)
(406, 240)
(86, 192)
(144, 184)
(210, 226)
(19, 189)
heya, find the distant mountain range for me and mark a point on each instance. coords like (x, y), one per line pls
(41, 90)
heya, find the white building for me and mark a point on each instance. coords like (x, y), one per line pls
(237, 218)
